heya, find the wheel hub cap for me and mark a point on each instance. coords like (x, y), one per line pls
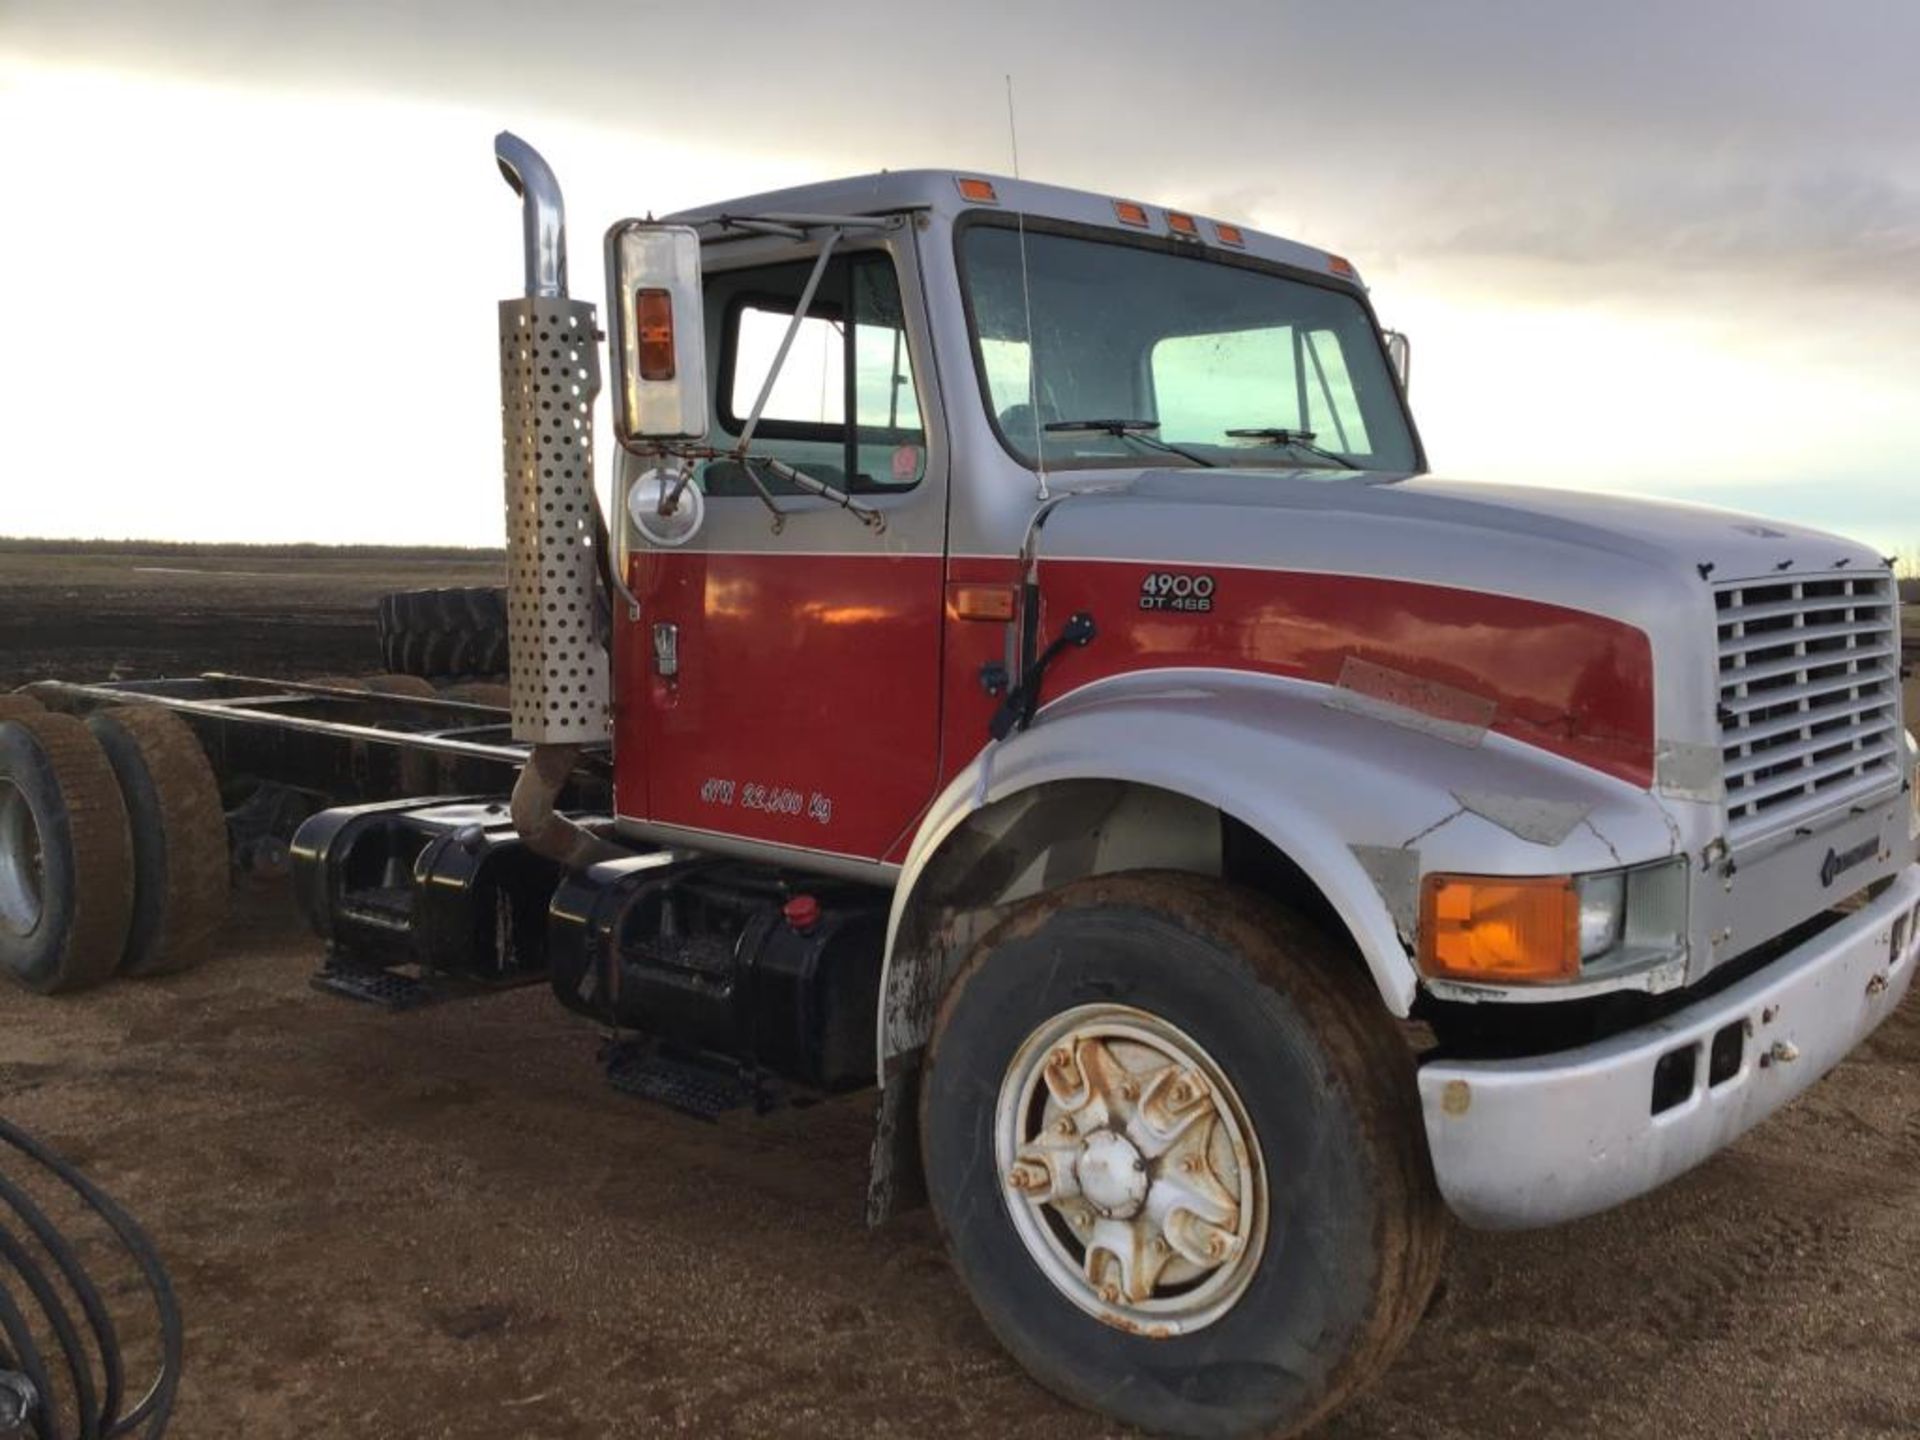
(1131, 1170)
(1112, 1175)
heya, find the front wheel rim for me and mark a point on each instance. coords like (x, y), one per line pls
(1130, 1170)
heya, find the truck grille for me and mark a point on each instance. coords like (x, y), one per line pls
(1809, 690)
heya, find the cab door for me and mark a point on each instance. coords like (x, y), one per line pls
(781, 686)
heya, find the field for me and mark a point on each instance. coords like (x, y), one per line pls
(445, 1224)
(101, 613)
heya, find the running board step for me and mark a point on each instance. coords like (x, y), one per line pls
(396, 990)
(388, 989)
(704, 1089)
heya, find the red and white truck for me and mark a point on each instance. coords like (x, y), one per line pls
(1027, 667)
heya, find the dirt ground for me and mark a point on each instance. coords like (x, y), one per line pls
(445, 1224)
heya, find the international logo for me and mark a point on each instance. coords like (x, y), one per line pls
(1838, 862)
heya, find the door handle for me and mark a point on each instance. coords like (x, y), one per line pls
(666, 649)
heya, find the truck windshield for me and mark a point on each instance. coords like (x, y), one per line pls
(1194, 347)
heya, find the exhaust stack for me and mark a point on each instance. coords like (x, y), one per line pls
(549, 378)
(543, 215)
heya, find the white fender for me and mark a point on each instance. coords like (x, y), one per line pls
(1324, 784)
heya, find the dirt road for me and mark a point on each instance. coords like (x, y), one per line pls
(444, 1224)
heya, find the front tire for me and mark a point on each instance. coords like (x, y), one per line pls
(1174, 1142)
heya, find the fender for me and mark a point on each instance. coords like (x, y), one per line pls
(1362, 801)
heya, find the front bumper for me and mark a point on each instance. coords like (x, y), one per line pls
(1523, 1143)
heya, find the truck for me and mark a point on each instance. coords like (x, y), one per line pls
(1026, 668)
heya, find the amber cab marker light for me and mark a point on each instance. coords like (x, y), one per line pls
(983, 602)
(1339, 265)
(653, 323)
(1183, 225)
(980, 190)
(1230, 235)
(1129, 213)
(1499, 929)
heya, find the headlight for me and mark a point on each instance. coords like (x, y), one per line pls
(1603, 912)
(1552, 929)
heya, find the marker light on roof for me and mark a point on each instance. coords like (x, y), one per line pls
(972, 189)
(1229, 234)
(1340, 266)
(1184, 225)
(1129, 213)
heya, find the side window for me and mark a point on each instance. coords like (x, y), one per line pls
(849, 353)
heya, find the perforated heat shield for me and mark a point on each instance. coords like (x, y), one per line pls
(549, 376)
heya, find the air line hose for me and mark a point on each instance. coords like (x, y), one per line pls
(87, 1347)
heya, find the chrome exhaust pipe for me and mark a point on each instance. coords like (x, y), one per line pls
(543, 215)
(560, 668)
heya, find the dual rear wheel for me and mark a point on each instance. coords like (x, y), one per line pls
(113, 846)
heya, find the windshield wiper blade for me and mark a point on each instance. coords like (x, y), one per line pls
(1296, 439)
(1133, 430)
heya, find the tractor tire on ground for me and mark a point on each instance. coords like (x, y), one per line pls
(445, 634)
(1173, 1140)
(66, 856)
(179, 830)
(17, 704)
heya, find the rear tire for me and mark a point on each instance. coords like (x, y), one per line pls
(66, 856)
(1335, 1235)
(447, 633)
(179, 831)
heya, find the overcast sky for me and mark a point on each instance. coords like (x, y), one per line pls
(1670, 248)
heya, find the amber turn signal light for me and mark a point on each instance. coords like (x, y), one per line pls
(982, 602)
(653, 324)
(1500, 929)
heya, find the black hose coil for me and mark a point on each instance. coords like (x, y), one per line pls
(29, 1401)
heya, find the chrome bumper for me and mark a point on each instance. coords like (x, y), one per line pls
(1523, 1143)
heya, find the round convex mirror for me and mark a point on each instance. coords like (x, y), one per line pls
(666, 506)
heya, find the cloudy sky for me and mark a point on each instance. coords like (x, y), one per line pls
(1671, 248)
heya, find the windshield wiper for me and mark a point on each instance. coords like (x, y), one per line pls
(1296, 439)
(1133, 430)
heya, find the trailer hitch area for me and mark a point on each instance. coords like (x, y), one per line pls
(1017, 710)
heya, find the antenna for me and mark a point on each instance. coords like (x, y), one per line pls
(1026, 301)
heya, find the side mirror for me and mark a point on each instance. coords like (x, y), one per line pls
(657, 328)
(1400, 355)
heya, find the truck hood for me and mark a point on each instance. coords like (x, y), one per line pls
(1273, 511)
(1591, 618)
